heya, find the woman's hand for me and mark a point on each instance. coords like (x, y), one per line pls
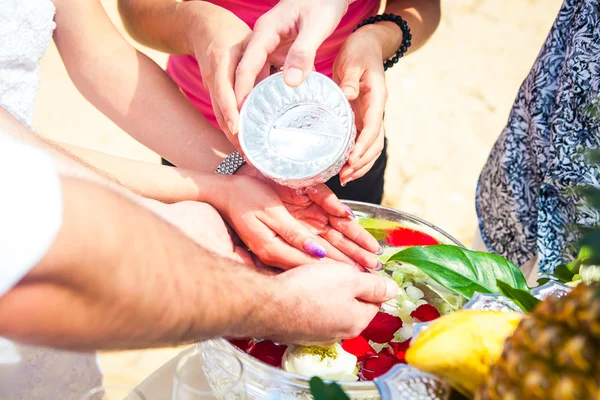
(218, 39)
(358, 69)
(288, 36)
(287, 234)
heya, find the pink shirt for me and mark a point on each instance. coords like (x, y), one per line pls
(185, 72)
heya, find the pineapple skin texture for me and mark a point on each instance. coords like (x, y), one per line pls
(462, 346)
(554, 354)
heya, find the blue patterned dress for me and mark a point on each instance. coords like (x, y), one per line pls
(525, 200)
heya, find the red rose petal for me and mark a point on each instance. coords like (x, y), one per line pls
(425, 313)
(359, 346)
(381, 329)
(269, 352)
(378, 365)
(399, 349)
(400, 237)
(245, 344)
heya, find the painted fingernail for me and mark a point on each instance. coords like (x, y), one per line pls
(379, 266)
(349, 211)
(314, 249)
(293, 76)
(380, 252)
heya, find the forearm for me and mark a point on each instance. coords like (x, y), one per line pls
(158, 182)
(118, 277)
(133, 91)
(67, 164)
(422, 16)
(159, 24)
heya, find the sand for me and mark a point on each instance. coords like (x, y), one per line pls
(447, 104)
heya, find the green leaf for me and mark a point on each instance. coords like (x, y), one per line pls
(543, 281)
(563, 273)
(522, 298)
(326, 391)
(463, 271)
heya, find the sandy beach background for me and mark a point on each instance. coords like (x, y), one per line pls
(447, 104)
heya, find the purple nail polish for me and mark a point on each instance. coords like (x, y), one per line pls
(379, 267)
(380, 252)
(349, 211)
(314, 249)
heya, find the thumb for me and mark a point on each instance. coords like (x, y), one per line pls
(349, 78)
(373, 288)
(300, 59)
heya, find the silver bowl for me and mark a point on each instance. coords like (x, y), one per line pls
(297, 136)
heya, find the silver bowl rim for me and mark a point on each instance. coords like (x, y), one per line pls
(268, 80)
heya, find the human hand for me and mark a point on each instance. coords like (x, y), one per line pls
(218, 52)
(323, 303)
(319, 211)
(202, 223)
(358, 69)
(288, 35)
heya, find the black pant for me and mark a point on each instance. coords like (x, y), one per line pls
(368, 189)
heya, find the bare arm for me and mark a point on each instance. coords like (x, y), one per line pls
(132, 90)
(117, 276)
(422, 16)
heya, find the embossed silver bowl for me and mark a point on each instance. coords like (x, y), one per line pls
(402, 381)
(297, 136)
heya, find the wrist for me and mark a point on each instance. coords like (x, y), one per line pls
(387, 36)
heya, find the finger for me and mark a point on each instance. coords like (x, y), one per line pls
(288, 195)
(373, 288)
(243, 257)
(263, 41)
(362, 166)
(293, 232)
(352, 250)
(336, 254)
(374, 100)
(218, 114)
(349, 80)
(328, 201)
(353, 231)
(224, 95)
(272, 250)
(361, 172)
(301, 56)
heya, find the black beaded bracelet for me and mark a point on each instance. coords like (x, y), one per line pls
(406, 35)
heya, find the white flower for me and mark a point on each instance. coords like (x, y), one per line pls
(329, 363)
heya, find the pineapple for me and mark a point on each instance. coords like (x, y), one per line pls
(553, 354)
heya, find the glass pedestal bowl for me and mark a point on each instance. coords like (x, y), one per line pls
(266, 382)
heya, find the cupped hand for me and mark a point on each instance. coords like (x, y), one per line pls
(320, 212)
(202, 223)
(358, 69)
(289, 36)
(323, 303)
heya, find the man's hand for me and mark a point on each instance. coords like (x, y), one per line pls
(323, 303)
(289, 36)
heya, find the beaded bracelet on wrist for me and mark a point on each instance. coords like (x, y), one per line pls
(406, 35)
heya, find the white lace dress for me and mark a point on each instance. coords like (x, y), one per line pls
(27, 372)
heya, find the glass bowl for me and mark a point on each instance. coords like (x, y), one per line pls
(297, 136)
(266, 382)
